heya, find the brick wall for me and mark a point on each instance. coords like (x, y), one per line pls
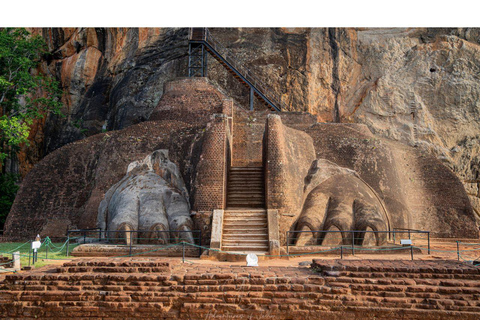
(248, 129)
(156, 289)
(191, 100)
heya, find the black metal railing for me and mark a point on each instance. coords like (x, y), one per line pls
(163, 237)
(244, 72)
(354, 237)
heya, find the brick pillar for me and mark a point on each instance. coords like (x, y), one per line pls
(275, 159)
(211, 171)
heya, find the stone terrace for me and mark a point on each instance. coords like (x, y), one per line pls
(151, 288)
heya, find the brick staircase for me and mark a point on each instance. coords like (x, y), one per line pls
(246, 188)
(150, 288)
(245, 224)
(245, 231)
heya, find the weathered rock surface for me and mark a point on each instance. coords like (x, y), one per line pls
(417, 86)
(64, 190)
(112, 78)
(152, 198)
(415, 189)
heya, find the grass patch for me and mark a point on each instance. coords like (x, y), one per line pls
(46, 254)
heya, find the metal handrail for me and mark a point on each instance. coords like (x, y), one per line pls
(246, 73)
(106, 234)
(389, 232)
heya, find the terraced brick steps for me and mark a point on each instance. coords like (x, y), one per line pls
(333, 289)
(245, 231)
(246, 187)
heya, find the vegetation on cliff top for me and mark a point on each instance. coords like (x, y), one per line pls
(25, 96)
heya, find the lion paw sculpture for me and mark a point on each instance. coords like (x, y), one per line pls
(337, 199)
(151, 198)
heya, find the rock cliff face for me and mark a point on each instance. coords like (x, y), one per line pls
(337, 171)
(417, 86)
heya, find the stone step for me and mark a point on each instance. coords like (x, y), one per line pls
(243, 242)
(247, 248)
(243, 205)
(245, 211)
(234, 196)
(232, 206)
(242, 184)
(246, 191)
(234, 230)
(117, 264)
(250, 172)
(245, 223)
(245, 169)
(242, 213)
(245, 220)
(250, 236)
(245, 215)
(245, 200)
(245, 187)
(83, 269)
(436, 275)
(245, 177)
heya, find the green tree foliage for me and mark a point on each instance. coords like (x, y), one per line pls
(8, 189)
(24, 96)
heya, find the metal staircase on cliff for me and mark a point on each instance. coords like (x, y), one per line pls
(201, 42)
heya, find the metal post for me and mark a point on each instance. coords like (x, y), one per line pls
(204, 60)
(353, 243)
(394, 236)
(409, 234)
(183, 251)
(200, 244)
(428, 237)
(84, 237)
(68, 241)
(251, 98)
(29, 251)
(458, 251)
(411, 251)
(99, 235)
(46, 252)
(131, 240)
(189, 59)
(341, 252)
(288, 240)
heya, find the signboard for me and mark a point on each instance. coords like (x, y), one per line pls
(36, 245)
